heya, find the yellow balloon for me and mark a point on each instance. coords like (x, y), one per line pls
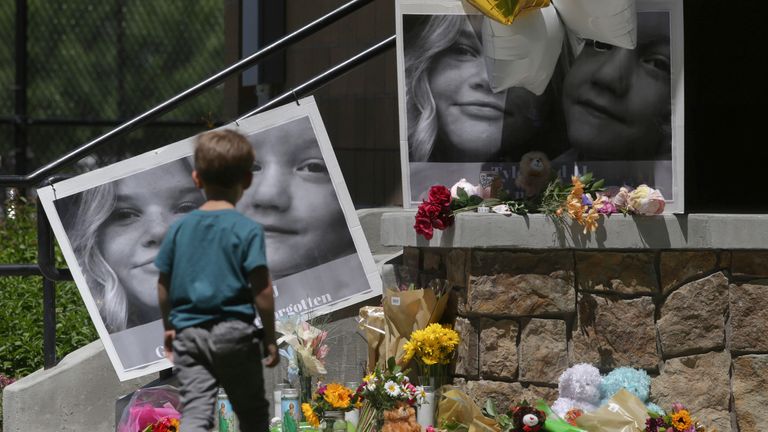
(505, 11)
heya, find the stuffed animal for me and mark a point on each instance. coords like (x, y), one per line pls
(400, 419)
(535, 173)
(579, 388)
(636, 381)
(527, 419)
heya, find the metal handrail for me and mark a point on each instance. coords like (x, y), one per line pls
(46, 259)
(36, 176)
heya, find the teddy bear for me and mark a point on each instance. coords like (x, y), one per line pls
(579, 388)
(636, 381)
(535, 172)
(400, 419)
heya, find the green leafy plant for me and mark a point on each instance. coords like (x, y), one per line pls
(21, 311)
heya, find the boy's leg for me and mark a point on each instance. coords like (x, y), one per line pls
(237, 361)
(198, 386)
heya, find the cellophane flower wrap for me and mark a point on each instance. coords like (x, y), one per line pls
(328, 397)
(153, 406)
(303, 345)
(385, 389)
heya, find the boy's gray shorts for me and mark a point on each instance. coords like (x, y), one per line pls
(225, 353)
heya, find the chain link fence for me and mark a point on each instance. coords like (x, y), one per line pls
(92, 65)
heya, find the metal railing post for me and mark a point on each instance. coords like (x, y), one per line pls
(46, 260)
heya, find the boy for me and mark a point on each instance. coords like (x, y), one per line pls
(207, 261)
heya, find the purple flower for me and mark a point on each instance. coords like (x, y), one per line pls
(653, 424)
(607, 208)
(586, 200)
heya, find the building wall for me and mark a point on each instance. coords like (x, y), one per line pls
(695, 320)
(360, 108)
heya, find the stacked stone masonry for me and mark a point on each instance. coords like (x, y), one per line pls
(696, 321)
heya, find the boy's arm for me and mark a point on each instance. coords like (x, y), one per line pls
(261, 284)
(165, 308)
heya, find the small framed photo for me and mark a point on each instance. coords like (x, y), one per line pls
(615, 112)
(110, 223)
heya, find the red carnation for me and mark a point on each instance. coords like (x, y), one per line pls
(440, 195)
(429, 209)
(423, 226)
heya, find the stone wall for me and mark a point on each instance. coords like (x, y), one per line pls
(696, 321)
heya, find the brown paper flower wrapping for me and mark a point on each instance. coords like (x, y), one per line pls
(406, 311)
(624, 412)
(372, 323)
(505, 11)
(457, 406)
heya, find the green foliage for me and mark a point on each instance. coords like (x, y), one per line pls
(504, 420)
(465, 202)
(21, 299)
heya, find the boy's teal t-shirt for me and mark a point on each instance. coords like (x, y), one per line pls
(208, 255)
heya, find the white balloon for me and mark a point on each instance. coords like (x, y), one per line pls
(610, 21)
(523, 54)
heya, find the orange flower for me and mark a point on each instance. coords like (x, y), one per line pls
(310, 415)
(681, 420)
(590, 222)
(574, 207)
(337, 395)
(578, 186)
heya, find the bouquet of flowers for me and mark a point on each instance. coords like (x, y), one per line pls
(305, 347)
(679, 420)
(383, 390)
(432, 348)
(152, 409)
(165, 424)
(575, 200)
(583, 201)
(328, 397)
(523, 417)
(434, 212)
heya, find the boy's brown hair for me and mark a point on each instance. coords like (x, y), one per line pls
(223, 157)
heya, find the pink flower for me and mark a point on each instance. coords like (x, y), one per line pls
(604, 205)
(322, 352)
(468, 187)
(646, 201)
(431, 428)
(621, 199)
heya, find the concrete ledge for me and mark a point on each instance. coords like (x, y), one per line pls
(78, 394)
(694, 231)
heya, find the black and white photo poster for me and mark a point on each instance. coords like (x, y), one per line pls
(612, 111)
(110, 223)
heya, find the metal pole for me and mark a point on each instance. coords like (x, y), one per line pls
(320, 80)
(215, 79)
(20, 89)
(49, 323)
